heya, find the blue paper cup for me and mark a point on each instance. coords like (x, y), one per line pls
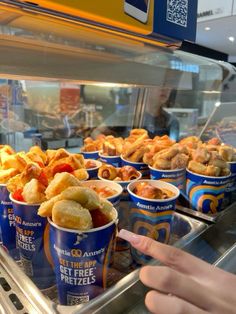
(7, 223)
(81, 260)
(114, 199)
(91, 155)
(111, 160)
(123, 212)
(93, 172)
(175, 177)
(152, 217)
(231, 187)
(140, 166)
(32, 236)
(205, 193)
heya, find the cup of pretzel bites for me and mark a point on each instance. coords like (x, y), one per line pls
(82, 233)
(91, 147)
(111, 150)
(135, 146)
(169, 165)
(152, 211)
(28, 190)
(9, 168)
(207, 178)
(228, 153)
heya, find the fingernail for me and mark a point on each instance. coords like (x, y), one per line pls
(129, 236)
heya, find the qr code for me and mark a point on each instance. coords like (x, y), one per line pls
(177, 12)
(75, 299)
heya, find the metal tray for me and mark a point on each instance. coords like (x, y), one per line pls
(18, 294)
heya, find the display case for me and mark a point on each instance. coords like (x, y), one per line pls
(63, 80)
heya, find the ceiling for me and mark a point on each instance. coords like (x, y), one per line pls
(218, 36)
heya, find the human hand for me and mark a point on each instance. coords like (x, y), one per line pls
(186, 285)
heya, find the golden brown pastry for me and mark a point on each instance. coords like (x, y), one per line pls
(201, 155)
(226, 152)
(162, 164)
(60, 182)
(12, 161)
(6, 175)
(197, 167)
(107, 209)
(80, 174)
(36, 150)
(35, 158)
(107, 172)
(213, 171)
(45, 209)
(147, 190)
(138, 132)
(180, 161)
(31, 171)
(14, 183)
(70, 214)
(33, 192)
(83, 195)
(128, 173)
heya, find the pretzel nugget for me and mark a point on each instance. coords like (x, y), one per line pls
(11, 161)
(162, 164)
(33, 192)
(226, 152)
(201, 155)
(15, 183)
(60, 182)
(180, 161)
(7, 174)
(213, 171)
(197, 167)
(167, 154)
(45, 209)
(38, 151)
(69, 214)
(107, 209)
(81, 174)
(86, 197)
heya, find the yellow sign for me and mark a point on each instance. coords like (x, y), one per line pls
(131, 15)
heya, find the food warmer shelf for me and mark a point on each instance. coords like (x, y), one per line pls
(19, 295)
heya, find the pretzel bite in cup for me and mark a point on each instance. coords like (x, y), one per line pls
(80, 221)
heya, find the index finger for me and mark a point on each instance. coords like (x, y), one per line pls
(168, 255)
